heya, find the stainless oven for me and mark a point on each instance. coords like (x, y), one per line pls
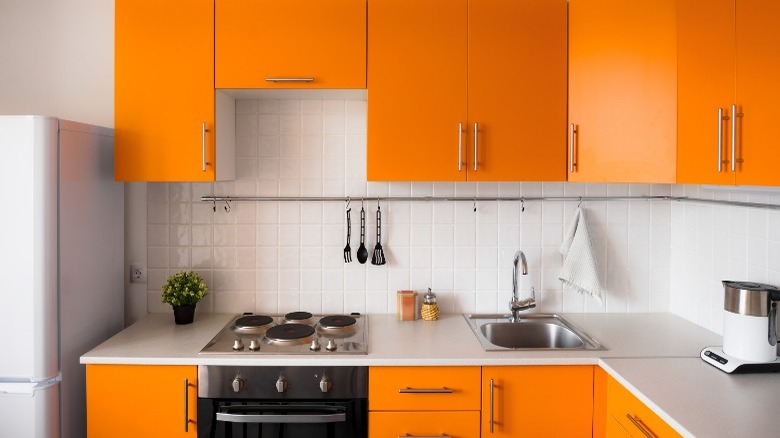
(282, 402)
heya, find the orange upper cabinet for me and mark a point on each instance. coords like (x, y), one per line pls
(622, 91)
(466, 90)
(164, 113)
(291, 44)
(727, 93)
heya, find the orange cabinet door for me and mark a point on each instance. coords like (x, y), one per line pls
(460, 424)
(758, 68)
(705, 91)
(424, 388)
(636, 418)
(614, 429)
(417, 90)
(164, 91)
(258, 40)
(141, 401)
(538, 401)
(516, 90)
(622, 91)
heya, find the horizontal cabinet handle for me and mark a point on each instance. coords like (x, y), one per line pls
(424, 436)
(289, 79)
(425, 390)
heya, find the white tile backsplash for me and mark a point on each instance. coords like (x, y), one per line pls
(282, 256)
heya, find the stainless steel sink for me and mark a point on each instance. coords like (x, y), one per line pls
(536, 331)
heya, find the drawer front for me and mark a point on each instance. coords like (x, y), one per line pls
(615, 429)
(460, 424)
(424, 388)
(635, 417)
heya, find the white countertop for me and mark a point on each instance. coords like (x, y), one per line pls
(156, 340)
(656, 356)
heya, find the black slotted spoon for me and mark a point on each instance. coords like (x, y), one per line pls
(379, 255)
(362, 252)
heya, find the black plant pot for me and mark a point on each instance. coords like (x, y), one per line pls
(184, 314)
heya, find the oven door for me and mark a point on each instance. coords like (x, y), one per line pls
(218, 418)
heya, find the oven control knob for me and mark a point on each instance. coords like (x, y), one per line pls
(238, 344)
(281, 384)
(238, 384)
(254, 345)
(325, 384)
(331, 345)
(315, 345)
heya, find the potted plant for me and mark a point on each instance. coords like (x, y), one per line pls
(183, 290)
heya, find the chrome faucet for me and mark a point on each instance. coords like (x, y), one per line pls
(516, 305)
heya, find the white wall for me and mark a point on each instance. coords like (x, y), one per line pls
(58, 59)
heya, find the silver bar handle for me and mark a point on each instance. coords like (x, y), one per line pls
(492, 385)
(572, 143)
(460, 146)
(203, 144)
(186, 405)
(444, 390)
(734, 138)
(720, 140)
(281, 418)
(424, 436)
(639, 425)
(289, 79)
(476, 144)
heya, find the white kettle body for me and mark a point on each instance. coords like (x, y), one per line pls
(749, 324)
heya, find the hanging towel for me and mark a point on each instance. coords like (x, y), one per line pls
(580, 271)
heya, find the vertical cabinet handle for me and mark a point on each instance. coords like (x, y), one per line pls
(460, 146)
(572, 145)
(476, 136)
(734, 138)
(186, 405)
(203, 144)
(720, 140)
(639, 425)
(492, 385)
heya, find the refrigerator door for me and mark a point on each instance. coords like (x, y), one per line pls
(30, 410)
(28, 252)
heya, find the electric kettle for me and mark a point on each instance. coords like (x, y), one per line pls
(749, 329)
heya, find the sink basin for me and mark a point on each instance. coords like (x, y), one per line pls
(532, 332)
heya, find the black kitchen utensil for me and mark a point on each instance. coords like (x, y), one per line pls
(362, 252)
(379, 255)
(347, 249)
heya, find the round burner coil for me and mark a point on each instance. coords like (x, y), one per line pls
(289, 334)
(337, 325)
(252, 324)
(298, 318)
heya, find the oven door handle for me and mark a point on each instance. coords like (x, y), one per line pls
(232, 416)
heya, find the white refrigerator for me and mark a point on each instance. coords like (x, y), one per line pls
(61, 269)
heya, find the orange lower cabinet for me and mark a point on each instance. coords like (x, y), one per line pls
(460, 424)
(537, 401)
(614, 429)
(633, 415)
(141, 401)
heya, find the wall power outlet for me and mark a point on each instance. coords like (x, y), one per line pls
(137, 274)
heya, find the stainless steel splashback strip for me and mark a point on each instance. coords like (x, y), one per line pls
(475, 199)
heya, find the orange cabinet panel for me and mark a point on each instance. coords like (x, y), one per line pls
(141, 401)
(625, 407)
(424, 388)
(538, 401)
(517, 90)
(622, 90)
(164, 90)
(416, 89)
(758, 68)
(261, 39)
(441, 72)
(614, 429)
(706, 75)
(460, 424)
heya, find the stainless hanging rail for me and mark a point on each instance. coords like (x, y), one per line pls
(485, 199)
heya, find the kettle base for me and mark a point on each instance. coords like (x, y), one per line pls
(732, 365)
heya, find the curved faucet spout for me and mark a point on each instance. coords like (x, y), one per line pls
(516, 304)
